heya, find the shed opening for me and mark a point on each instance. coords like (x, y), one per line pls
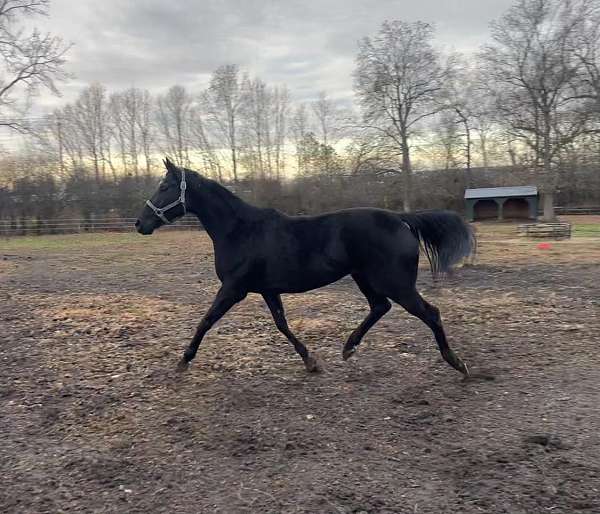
(485, 210)
(516, 208)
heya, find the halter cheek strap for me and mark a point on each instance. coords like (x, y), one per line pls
(161, 211)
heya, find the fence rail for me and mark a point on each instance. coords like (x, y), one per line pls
(20, 227)
(577, 210)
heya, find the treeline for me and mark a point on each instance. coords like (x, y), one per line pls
(40, 194)
(237, 127)
(528, 101)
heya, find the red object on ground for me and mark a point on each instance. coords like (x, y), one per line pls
(544, 246)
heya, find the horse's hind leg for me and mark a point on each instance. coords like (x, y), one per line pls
(276, 307)
(414, 303)
(379, 305)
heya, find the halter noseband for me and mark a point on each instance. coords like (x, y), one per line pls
(160, 211)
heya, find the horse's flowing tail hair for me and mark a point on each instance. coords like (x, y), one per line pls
(444, 235)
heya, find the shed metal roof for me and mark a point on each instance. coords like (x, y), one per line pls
(501, 192)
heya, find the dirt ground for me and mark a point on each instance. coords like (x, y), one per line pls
(94, 417)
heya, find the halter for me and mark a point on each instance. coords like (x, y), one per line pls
(160, 211)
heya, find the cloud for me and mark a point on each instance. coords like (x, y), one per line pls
(308, 45)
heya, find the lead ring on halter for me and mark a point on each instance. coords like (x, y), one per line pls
(160, 211)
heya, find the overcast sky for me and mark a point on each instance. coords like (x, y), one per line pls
(308, 45)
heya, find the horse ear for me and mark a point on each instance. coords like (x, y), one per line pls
(171, 168)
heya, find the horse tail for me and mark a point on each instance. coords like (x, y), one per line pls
(444, 235)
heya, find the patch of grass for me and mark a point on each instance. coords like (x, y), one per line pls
(583, 226)
(68, 242)
(587, 229)
(98, 241)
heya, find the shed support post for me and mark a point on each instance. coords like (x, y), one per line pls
(533, 207)
(470, 210)
(500, 202)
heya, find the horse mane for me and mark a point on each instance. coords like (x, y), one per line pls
(239, 207)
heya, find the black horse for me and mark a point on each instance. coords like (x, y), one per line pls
(264, 251)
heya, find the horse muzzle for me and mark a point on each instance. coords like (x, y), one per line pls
(143, 228)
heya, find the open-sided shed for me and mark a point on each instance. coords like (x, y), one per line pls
(516, 202)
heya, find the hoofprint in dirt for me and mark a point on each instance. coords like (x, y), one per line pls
(94, 417)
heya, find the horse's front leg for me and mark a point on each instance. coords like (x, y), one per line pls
(226, 298)
(276, 307)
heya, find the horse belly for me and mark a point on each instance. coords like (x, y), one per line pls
(283, 276)
(311, 280)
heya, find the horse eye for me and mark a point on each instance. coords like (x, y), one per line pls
(163, 187)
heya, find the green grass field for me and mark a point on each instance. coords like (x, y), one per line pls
(586, 230)
(66, 242)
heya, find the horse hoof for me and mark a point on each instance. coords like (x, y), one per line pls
(312, 364)
(182, 365)
(346, 354)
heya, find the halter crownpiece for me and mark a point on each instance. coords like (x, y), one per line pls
(160, 211)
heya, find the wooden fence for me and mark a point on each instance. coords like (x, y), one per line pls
(21, 227)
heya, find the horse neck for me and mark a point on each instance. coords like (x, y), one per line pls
(218, 209)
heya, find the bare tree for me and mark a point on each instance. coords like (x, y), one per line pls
(586, 47)
(173, 116)
(201, 142)
(327, 118)
(80, 133)
(222, 103)
(254, 92)
(363, 154)
(263, 115)
(329, 121)
(468, 109)
(533, 71)
(299, 128)
(280, 114)
(450, 139)
(131, 101)
(117, 114)
(399, 78)
(91, 116)
(68, 139)
(483, 125)
(91, 129)
(145, 126)
(29, 61)
(130, 112)
(587, 50)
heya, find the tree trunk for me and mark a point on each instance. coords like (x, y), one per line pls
(484, 150)
(96, 168)
(233, 140)
(407, 175)
(468, 151)
(465, 121)
(548, 181)
(513, 156)
(548, 197)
